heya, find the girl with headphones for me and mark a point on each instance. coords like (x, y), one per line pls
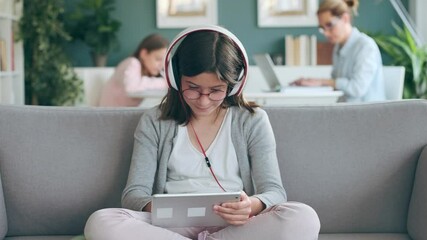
(204, 137)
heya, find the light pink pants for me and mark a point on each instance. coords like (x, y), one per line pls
(287, 221)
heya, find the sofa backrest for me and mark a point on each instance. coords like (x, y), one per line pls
(60, 164)
(354, 164)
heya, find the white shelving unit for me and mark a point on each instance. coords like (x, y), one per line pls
(11, 54)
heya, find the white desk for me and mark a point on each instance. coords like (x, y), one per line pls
(300, 98)
(94, 79)
(152, 98)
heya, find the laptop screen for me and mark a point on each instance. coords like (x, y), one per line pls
(265, 64)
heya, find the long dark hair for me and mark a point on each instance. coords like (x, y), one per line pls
(199, 52)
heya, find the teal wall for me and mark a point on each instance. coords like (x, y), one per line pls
(138, 18)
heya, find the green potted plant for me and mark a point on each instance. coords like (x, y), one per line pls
(49, 77)
(403, 51)
(92, 23)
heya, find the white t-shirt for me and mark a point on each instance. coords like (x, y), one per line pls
(187, 169)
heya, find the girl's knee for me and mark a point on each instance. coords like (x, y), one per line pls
(101, 215)
(309, 216)
(99, 221)
(300, 216)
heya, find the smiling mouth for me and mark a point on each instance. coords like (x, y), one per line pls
(203, 108)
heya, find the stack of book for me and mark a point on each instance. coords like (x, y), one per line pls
(3, 55)
(301, 50)
(304, 50)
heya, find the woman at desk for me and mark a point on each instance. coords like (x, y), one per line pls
(139, 72)
(357, 64)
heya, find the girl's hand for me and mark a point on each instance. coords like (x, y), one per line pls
(236, 213)
(147, 207)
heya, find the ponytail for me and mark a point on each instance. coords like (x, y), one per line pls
(339, 7)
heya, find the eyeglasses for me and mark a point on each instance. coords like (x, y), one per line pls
(329, 26)
(216, 95)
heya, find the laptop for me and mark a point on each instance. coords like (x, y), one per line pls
(266, 66)
(189, 210)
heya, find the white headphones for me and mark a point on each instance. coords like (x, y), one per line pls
(169, 73)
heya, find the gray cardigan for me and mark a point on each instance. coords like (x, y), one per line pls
(253, 140)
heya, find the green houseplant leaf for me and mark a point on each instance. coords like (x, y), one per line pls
(49, 78)
(404, 52)
(92, 23)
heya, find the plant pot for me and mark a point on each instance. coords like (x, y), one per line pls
(99, 60)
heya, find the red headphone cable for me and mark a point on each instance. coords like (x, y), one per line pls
(208, 163)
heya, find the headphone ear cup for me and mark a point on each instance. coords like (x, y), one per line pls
(171, 75)
(241, 75)
(241, 80)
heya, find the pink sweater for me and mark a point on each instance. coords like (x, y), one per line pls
(126, 79)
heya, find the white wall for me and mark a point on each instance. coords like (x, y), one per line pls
(417, 9)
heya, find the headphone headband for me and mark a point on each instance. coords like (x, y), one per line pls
(169, 73)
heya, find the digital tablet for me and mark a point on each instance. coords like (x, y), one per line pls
(189, 210)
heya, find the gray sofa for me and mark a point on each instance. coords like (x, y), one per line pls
(363, 168)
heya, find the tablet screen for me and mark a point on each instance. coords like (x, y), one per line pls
(185, 210)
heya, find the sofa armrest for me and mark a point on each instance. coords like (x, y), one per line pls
(3, 216)
(417, 215)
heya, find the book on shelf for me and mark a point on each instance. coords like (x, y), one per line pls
(297, 51)
(300, 50)
(289, 50)
(305, 50)
(324, 53)
(12, 51)
(3, 55)
(313, 50)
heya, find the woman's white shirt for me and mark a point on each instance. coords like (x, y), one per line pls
(358, 70)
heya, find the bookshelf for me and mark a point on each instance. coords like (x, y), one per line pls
(305, 50)
(11, 54)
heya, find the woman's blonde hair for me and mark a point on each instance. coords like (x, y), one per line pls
(339, 7)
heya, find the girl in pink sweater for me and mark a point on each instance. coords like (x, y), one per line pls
(139, 72)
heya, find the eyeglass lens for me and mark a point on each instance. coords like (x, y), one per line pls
(329, 25)
(214, 96)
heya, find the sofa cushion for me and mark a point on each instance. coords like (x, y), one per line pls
(3, 216)
(41, 238)
(354, 164)
(417, 218)
(364, 236)
(58, 165)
